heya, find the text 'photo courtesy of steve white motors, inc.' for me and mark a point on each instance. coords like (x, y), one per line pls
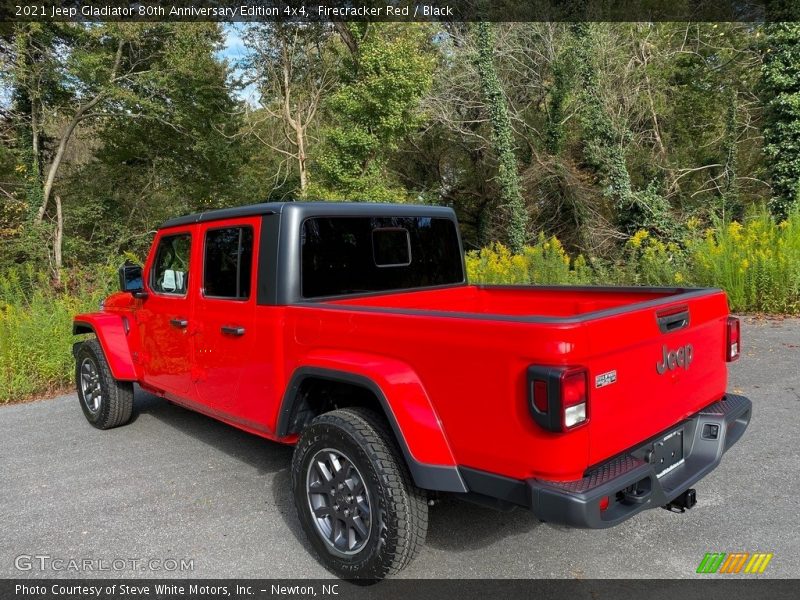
(175, 590)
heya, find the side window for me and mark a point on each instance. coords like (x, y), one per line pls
(228, 262)
(170, 274)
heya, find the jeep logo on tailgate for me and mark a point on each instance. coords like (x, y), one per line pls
(672, 359)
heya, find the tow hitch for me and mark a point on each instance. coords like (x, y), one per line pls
(683, 502)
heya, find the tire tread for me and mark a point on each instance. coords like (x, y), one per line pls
(405, 500)
(118, 394)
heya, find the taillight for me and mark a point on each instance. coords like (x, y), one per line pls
(733, 345)
(558, 397)
(573, 398)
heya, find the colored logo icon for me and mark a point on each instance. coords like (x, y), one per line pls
(734, 562)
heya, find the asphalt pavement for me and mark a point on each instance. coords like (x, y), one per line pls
(177, 494)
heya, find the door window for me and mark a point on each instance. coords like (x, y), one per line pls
(228, 262)
(171, 267)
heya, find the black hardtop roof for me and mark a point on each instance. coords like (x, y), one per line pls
(309, 209)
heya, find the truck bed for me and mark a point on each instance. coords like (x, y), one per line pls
(471, 346)
(540, 303)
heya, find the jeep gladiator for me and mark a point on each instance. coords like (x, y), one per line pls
(349, 330)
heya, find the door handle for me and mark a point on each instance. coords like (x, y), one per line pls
(232, 330)
(179, 323)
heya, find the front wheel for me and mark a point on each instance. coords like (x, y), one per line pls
(106, 402)
(354, 495)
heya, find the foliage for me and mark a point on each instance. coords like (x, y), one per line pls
(114, 119)
(546, 261)
(781, 83)
(35, 328)
(756, 262)
(502, 137)
(373, 109)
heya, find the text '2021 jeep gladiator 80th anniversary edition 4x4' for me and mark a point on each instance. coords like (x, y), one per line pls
(349, 330)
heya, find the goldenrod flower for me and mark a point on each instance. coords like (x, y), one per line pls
(639, 237)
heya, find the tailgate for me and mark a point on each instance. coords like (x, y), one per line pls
(649, 369)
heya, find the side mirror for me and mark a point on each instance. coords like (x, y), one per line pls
(130, 280)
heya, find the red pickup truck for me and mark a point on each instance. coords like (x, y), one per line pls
(350, 331)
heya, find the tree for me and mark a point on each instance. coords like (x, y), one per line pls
(781, 86)
(136, 89)
(503, 139)
(603, 150)
(385, 71)
(168, 144)
(292, 65)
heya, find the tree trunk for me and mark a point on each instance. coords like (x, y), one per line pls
(58, 241)
(35, 139)
(347, 37)
(80, 114)
(301, 157)
(51, 172)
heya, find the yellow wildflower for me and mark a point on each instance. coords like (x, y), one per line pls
(735, 229)
(639, 237)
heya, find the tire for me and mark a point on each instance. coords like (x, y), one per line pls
(397, 517)
(106, 402)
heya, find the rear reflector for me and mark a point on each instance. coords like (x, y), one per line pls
(540, 395)
(604, 501)
(733, 346)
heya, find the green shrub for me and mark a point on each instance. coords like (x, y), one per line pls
(650, 261)
(757, 263)
(545, 262)
(36, 328)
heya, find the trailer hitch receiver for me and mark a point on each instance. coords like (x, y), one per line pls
(684, 502)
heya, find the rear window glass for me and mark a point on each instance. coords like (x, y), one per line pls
(228, 258)
(351, 255)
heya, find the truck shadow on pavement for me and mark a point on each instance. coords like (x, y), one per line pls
(262, 454)
(453, 525)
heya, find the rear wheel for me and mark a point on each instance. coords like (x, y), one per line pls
(355, 497)
(106, 402)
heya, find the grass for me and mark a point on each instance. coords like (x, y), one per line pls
(36, 329)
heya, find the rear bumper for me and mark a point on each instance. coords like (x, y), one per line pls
(706, 437)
